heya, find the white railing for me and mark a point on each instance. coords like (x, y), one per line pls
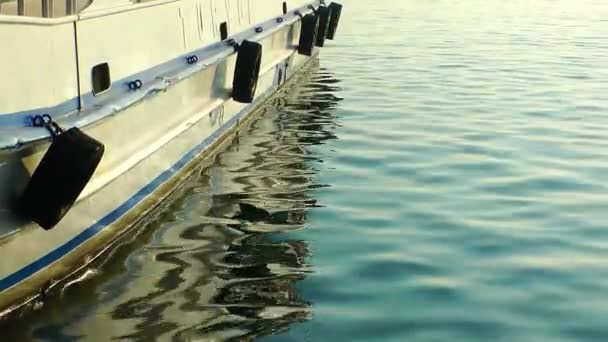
(46, 9)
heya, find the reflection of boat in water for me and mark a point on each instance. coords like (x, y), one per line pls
(118, 102)
(200, 270)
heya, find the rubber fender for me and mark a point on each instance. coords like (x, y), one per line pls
(61, 175)
(247, 71)
(324, 14)
(334, 20)
(308, 34)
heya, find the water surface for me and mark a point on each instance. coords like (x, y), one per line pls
(441, 176)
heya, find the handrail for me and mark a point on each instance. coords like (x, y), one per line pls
(21, 13)
(47, 8)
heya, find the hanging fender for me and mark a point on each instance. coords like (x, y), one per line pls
(324, 14)
(246, 71)
(308, 34)
(334, 19)
(61, 175)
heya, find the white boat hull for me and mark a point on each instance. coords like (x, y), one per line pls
(150, 147)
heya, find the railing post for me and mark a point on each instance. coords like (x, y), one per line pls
(21, 7)
(70, 7)
(47, 8)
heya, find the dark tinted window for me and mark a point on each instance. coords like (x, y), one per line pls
(101, 78)
(224, 30)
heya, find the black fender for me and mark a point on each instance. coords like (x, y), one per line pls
(247, 71)
(334, 20)
(324, 14)
(60, 177)
(308, 34)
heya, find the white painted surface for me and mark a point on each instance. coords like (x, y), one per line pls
(130, 42)
(98, 5)
(38, 66)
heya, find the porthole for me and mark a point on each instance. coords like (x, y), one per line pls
(100, 78)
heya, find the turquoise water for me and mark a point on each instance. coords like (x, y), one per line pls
(441, 176)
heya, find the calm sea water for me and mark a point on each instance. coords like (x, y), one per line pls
(441, 176)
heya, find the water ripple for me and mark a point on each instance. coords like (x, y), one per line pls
(442, 176)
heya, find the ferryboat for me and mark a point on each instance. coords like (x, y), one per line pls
(107, 105)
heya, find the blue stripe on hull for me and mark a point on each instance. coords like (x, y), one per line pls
(113, 216)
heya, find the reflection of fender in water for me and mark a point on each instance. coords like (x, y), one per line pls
(254, 214)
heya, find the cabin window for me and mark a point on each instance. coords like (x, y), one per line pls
(101, 78)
